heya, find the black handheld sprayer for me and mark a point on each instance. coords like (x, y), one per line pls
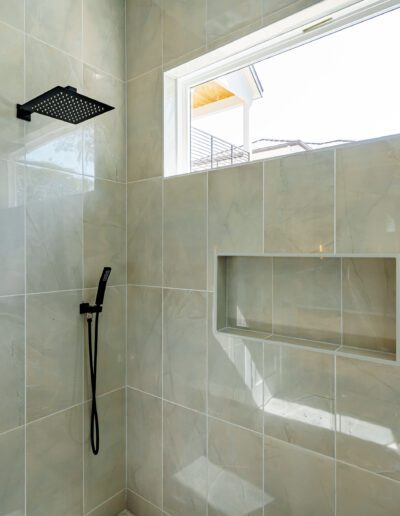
(89, 310)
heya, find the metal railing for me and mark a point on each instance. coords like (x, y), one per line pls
(208, 151)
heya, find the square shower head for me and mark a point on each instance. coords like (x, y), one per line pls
(63, 103)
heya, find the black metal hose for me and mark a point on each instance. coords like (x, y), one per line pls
(94, 418)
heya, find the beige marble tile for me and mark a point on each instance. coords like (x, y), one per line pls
(104, 142)
(145, 109)
(12, 473)
(105, 473)
(368, 403)
(113, 507)
(185, 232)
(54, 350)
(12, 231)
(298, 203)
(275, 10)
(144, 446)
(12, 362)
(249, 293)
(145, 232)
(368, 185)
(12, 12)
(234, 471)
(185, 347)
(53, 230)
(54, 466)
(144, 339)
(138, 505)
(144, 36)
(234, 212)
(104, 231)
(299, 397)
(307, 298)
(297, 482)
(369, 303)
(185, 461)
(184, 27)
(360, 492)
(56, 23)
(104, 35)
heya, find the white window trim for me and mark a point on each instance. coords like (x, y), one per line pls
(319, 20)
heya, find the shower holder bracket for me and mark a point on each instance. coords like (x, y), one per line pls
(86, 308)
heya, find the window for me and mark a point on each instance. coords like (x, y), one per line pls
(309, 82)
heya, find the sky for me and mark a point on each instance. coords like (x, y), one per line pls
(343, 86)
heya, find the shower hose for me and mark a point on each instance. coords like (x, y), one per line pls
(94, 418)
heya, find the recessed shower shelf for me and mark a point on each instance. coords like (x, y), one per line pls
(343, 304)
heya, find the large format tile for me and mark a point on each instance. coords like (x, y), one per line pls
(12, 362)
(234, 471)
(56, 23)
(144, 339)
(104, 139)
(185, 232)
(369, 303)
(234, 212)
(144, 446)
(12, 232)
(185, 461)
(104, 231)
(53, 230)
(298, 203)
(145, 109)
(54, 464)
(275, 10)
(12, 473)
(368, 187)
(138, 505)
(54, 351)
(104, 35)
(105, 473)
(144, 36)
(297, 482)
(12, 12)
(360, 492)
(185, 347)
(299, 397)
(368, 404)
(307, 298)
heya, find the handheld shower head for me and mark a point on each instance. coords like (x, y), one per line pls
(102, 285)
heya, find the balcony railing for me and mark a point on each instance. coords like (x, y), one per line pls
(208, 151)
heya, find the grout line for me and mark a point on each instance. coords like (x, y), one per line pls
(334, 201)
(263, 422)
(103, 503)
(206, 394)
(162, 346)
(144, 499)
(146, 179)
(25, 287)
(334, 433)
(263, 207)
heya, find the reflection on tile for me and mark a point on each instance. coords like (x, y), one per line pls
(307, 298)
(369, 303)
(104, 35)
(368, 186)
(299, 397)
(185, 347)
(12, 473)
(12, 214)
(185, 461)
(234, 212)
(54, 352)
(56, 23)
(54, 464)
(144, 446)
(249, 293)
(104, 136)
(105, 473)
(298, 203)
(235, 471)
(112, 507)
(185, 232)
(138, 506)
(368, 404)
(145, 232)
(275, 10)
(104, 229)
(144, 339)
(12, 363)
(184, 27)
(144, 36)
(53, 230)
(111, 353)
(360, 492)
(145, 101)
(297, 481)
(12, 12)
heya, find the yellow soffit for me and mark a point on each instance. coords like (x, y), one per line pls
(208, 93)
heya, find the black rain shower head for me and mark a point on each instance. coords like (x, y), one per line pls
(64, 104)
